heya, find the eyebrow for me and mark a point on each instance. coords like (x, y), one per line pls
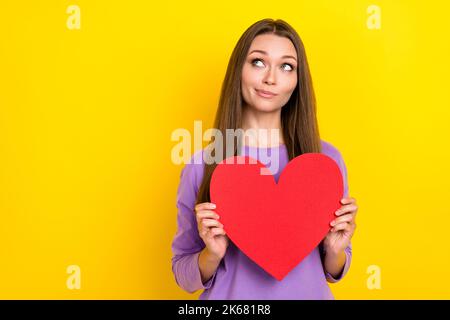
(264, 52)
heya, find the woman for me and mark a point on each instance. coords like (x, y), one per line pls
(267, 86)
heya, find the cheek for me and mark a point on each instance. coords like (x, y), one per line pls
(249, 77)
(287, 88)
(246, 84)
(290, 85)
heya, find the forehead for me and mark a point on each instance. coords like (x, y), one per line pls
(274, 45)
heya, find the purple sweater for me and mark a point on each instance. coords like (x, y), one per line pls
(238, 277)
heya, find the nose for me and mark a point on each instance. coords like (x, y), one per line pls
(269, 77)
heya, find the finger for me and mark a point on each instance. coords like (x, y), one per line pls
(217, 231)
(344, 218)
(340, 226)
(207, 232)
(207, 223)
(348, 200)
(206, 214)
(346, 208)
(205, 206)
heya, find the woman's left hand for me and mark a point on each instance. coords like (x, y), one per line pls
(343, 227)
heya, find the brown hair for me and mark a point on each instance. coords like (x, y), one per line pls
(298, 117)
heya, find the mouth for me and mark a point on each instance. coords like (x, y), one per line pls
(265, 94)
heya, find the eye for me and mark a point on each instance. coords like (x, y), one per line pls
(260, 63)
(254, 62)
(290, 67)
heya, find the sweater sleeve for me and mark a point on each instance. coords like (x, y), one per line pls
(187, 244)
(348, 250)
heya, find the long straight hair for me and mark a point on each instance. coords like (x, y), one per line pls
(298, 116)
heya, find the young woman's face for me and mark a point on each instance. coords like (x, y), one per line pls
(269, 75)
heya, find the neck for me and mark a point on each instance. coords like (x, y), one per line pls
(262, 129)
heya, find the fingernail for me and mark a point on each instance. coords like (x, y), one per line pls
(332, 223)
(213, 206)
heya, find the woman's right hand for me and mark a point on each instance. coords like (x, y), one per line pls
(211, 230)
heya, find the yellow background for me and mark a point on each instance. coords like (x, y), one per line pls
(86, 116)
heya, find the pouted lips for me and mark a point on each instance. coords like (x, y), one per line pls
(265, 94)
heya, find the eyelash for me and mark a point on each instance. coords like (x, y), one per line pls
(290, 65)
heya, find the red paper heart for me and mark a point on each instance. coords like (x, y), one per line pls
(277, 225)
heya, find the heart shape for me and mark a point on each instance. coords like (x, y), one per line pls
(277, 224)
